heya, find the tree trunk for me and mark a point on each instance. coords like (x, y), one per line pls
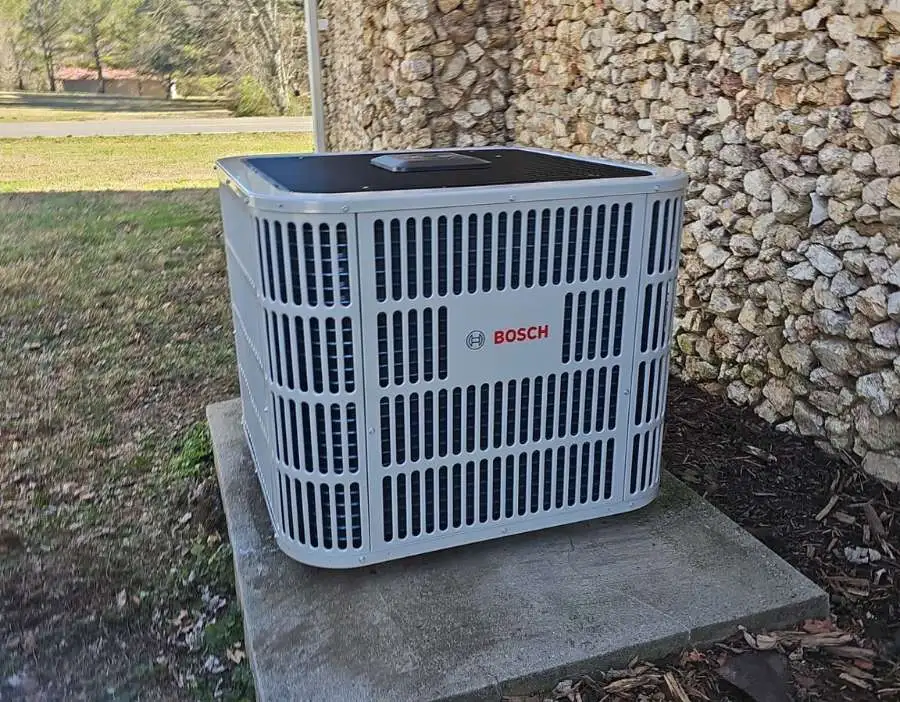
(98, 64)
(19, 65)
(281, 83)
(51, 72)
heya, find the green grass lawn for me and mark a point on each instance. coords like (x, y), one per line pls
(129, 163)
(115, 333)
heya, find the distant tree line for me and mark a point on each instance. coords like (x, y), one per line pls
(228, 46)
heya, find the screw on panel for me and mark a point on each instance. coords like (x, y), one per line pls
(371, 430)
(362, 559)
(626, 392)
(345, 208)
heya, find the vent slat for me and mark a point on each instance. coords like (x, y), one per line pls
(652, 237)
(283, 263)
(340, 516)
(413, 346)
(599, 248)
(382, 264)
(309, 264)
(396, 261)
(664, 230)
(326, 265)
(572, 244)
(612, 249)
(473, 253)
(515, 255)
(303, 361)
(676, 235)
(626, 240)
(429, 254)
(411, 252)
(267, 236)
(530, 248)
(502, 251)
(263, 286)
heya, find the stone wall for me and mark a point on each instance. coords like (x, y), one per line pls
(416, 73)
(786, 115)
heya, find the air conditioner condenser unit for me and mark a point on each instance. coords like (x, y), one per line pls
(441, 347)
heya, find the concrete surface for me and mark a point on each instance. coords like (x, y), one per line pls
(138, 127)
(508, 616)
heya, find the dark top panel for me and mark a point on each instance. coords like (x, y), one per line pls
(350, 173)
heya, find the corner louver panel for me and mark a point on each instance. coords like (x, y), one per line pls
(304, 346)
(656, 304)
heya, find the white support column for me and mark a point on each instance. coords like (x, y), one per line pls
(311, 10)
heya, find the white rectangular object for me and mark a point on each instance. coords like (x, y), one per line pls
(432, 357)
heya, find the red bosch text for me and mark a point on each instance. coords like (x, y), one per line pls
(532, 333)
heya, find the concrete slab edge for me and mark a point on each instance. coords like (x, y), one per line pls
(809, 604)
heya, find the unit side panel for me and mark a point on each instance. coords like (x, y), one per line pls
(306, 319)
(656, 308)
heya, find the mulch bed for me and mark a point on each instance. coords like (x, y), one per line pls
(820, 513)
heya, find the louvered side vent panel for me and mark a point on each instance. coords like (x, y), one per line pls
(651, 367)
(466, 430)
(308, 313)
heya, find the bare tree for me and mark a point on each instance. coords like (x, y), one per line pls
(44, 21)
(100, 30)
(267, 37)
(14, 44)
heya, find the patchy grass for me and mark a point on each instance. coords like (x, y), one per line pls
(115, 572)
(71, 107)
(129, 163)
(9, 114)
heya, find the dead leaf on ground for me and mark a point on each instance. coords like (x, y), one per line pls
(818, 626)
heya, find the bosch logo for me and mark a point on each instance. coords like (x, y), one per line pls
(516, 334)
(475, 339)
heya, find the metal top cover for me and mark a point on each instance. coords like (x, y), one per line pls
(351, 173)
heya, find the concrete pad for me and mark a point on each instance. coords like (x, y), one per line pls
(507, 616)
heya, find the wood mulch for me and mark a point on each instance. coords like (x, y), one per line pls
(822, 514)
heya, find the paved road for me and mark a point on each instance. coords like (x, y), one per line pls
(132, 127)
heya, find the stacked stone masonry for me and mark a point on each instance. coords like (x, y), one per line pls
(786, 116)
(416, 73)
